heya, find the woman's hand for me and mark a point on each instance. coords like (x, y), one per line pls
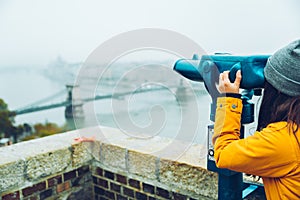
(225, 86)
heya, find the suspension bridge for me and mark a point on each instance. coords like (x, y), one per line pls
(73, 106)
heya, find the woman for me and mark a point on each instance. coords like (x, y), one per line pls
(273, 152)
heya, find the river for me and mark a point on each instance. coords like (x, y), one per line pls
(160, 113)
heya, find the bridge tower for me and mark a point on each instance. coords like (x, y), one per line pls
(74, 110)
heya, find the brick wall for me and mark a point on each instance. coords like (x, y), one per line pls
(109, 185)
(75, 184)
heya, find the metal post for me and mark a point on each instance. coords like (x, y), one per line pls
(230, 183)
(230, 187)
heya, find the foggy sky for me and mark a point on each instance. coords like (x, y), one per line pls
(34, 32)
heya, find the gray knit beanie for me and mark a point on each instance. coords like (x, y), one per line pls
(282, 70)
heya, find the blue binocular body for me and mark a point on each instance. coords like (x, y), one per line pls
(252, 68)
(208, 68)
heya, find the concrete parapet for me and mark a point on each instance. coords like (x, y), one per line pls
(170, 164)
(27, 163)
(115, 165)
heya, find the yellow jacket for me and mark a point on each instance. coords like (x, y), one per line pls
(273, 153)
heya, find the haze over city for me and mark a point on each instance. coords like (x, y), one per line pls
(34, 33)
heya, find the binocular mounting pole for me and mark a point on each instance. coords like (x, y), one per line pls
(230, 183)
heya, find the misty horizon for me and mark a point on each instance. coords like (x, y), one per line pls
(34, 33)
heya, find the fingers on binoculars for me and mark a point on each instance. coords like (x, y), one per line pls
(220, 85)
(225, 85)
(224, 79)
(238, 78)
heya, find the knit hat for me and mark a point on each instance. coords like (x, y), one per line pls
(282, 70)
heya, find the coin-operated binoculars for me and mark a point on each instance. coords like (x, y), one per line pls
(207, 69)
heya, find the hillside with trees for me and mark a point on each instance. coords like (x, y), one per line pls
(8, 128)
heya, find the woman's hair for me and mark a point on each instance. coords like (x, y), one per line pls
(276, 107)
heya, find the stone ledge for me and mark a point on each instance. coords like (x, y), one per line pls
(168, 163)
(26, 163)
(171, 164)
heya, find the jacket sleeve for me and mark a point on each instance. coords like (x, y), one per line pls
(265, 153)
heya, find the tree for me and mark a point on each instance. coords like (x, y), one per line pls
(47, 129)
(10, 130)
(7, 120)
